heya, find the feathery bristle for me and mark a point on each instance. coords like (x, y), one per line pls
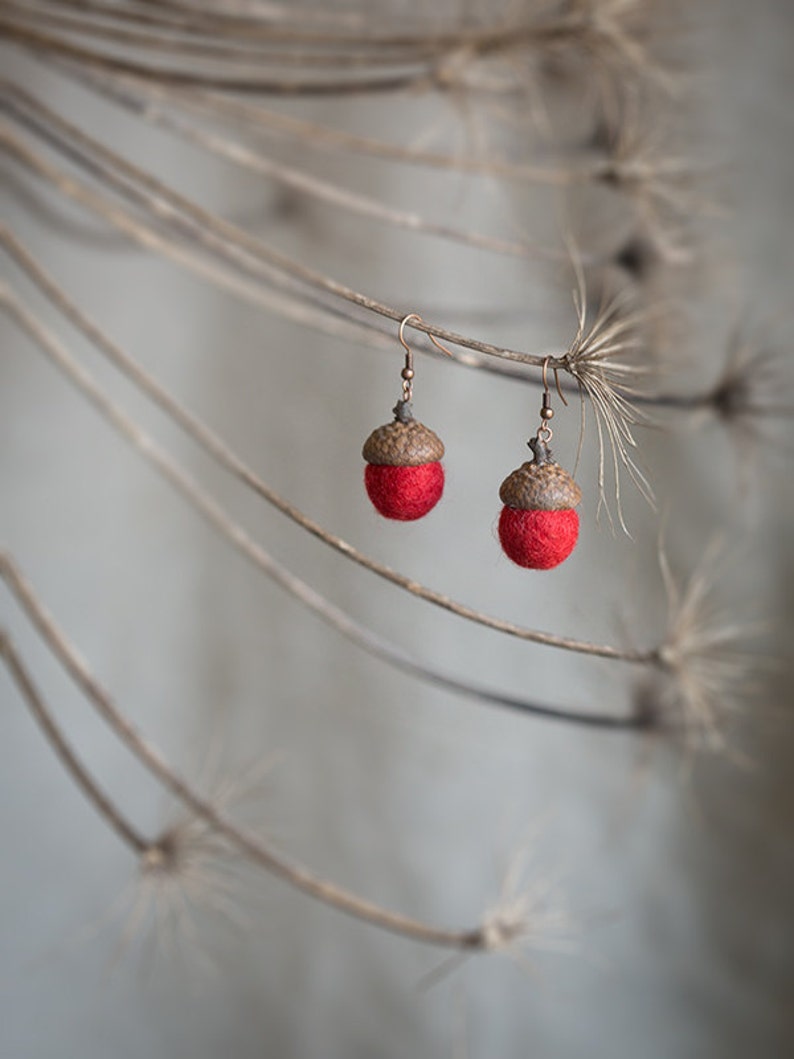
(599, 360)
(705, 655)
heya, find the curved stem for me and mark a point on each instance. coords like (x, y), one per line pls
(334, 320)
(332, 615)
(214, 514)
(55, 737)
(299, 308)
(337, 320)
(227, 459)
(322, 137)
(139, 101)
(299, 26)
(149, 756)
(165, 38)
(47, 44)
(218, 234)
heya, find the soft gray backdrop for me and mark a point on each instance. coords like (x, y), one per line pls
(677, 884)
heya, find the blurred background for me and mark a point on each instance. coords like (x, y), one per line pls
(660, 877)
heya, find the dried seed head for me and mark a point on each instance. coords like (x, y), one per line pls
(639, 257)
(191, 879)
(753, 384)
(600, 359)
(527, 914)
(705, 658)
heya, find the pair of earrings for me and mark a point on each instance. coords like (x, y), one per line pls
(404, 478)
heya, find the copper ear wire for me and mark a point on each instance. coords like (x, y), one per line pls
(545, 433)
(556, 380)
(408, 371)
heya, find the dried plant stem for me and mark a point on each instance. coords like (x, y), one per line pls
(423, 74)
(220, 236)
(254, 118)
(50, 45)
(586, 358)
(336, 321)
(57, 740)
(248, 844)
(206, 46)
(211, 511)
(319, 317)
(233, 244)
(138, 100)
(297, 27)
(223, 455)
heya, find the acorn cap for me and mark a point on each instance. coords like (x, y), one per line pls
(404, 443)
(540, 485)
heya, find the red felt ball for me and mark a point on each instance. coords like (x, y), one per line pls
(538, 540)
(404, 493)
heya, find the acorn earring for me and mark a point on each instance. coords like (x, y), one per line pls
(404, 477)
(538, 526)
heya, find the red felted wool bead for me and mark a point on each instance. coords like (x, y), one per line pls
(538, 526)
(404, 477)
(536, 539)
(404, 493)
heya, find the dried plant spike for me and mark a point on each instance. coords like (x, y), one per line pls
(404, 477)
(538, 527)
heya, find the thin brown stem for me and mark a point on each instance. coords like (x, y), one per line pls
(288, 23)
(139, 101)
(57, 740)
(299, 26)
(254, 117)
(228, 459)
(250, 845)
(327, 319)
(336, 321)
(220, 236)
(215, 515)
(47, 44)
(166, 38)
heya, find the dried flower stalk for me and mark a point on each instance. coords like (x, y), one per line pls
(258, 852)
(59, 743)
(50, 345)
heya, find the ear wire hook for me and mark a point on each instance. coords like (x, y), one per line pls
(408, 371)
(545, 432)
(556, 380)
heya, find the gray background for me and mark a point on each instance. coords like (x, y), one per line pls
(677, 880)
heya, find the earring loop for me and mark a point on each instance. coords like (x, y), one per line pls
(408, 371)
(401, 334)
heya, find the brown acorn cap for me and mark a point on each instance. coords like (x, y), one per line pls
(540, 484)
(404, 443)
